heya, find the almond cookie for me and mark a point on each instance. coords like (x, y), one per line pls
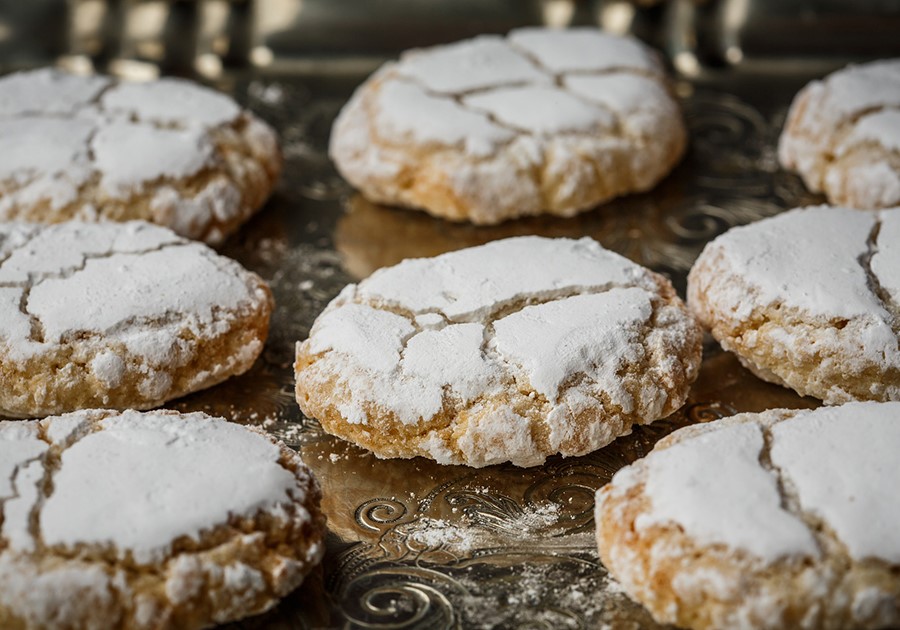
(487, 129)
(119, 315)
(809, 300)
(94, 148)
(511, 351)
(785, 519)
(149, 520)
(843, 136)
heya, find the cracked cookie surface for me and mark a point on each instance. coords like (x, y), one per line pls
(779, 520)
(119, 315)
(809, 300)
(149, 520)
(445, 129)
(93, 148)
(843, 136)
(511, 351)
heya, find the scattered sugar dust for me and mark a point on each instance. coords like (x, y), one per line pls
(556, 592)
(432, 532)
(468, 532)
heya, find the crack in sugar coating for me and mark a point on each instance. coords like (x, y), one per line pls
(687, 578)
(834, 337)
(843, 135)
(459, 374)
(201, 170)
(878, 290)
(423, 133)
(119, 315)
(250, 552)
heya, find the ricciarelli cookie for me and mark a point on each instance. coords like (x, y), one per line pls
(119, 315)
(774, 521)
(843, 136)
(808, 299)
(511, 351)
(168, 151)
(492, 128)
(150, 520)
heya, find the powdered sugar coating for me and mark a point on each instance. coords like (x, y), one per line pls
(144, 504)
(715, 489)
(444, 129)
(584, 50)
(468, 65)
(131, 155)
(886, 259)
(407, 111)
(91, 147)
(881, 127)
(171, 101)
(118, 497)
(620, 92)
(19, 444)
(804, 298)
(471, 284)
(857, 501)
(439, 349)
(47, 91)
(50, 161)
(128, 301)
(843, 133)
(759, 520)
(592, 334)
(807, 258)
(138, 287)
(550, 110)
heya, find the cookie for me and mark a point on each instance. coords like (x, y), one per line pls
(492, 128)
(809, 300)
(93, 148)
(119, 315)
(150, 520)
(843, 136)
(511, 351)
(784, 519)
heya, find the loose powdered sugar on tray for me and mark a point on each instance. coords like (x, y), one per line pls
(464, 535)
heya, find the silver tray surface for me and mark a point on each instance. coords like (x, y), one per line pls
(412, 544)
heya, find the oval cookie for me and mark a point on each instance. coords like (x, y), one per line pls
(150, 520)
(843, 135)
(808, 299)
(780, 520)
(119, 315)
(168, 151)
(511, 351)
(492, 128)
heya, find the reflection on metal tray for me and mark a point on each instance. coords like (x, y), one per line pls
(413, 544)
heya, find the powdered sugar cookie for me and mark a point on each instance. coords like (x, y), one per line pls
(511, 351)
(843, 136)
(808, 299)
(168, 151)
(780, 520)
(119, 315)
(150, 520)
(487, 129)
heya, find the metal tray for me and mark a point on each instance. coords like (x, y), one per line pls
(413, 544)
